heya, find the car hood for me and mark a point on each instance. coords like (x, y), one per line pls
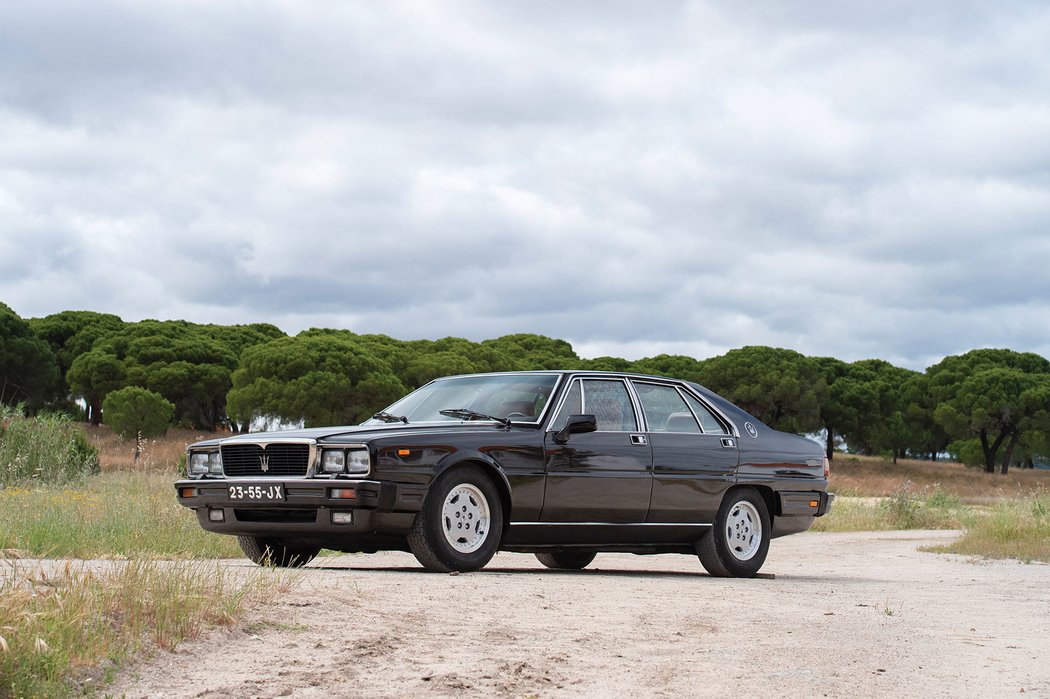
(352, 433)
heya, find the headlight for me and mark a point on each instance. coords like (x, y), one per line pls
(357, 461)
(354, 461)
(198, 463)
(215, 463)
(333, 461)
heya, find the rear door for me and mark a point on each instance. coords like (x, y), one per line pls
(602, 476)
(695, 454)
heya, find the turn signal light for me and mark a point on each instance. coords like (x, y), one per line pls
(814, 503)
(404, 452)
(187, 492)
(343, 494)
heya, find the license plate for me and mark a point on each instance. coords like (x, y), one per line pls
(270, 492)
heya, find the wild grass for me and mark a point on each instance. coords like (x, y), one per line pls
(1002, 516)
(117, 514)
(905, 508)
(43, 449)
(61, 628)
(1017, 529)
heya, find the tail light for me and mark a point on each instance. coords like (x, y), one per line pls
(827, 468)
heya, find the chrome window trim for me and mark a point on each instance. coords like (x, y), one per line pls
(676, 387)
(714, 410)
(638, 417)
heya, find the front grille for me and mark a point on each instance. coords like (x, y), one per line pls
(273, 460)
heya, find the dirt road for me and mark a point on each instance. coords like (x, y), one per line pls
(847, 614)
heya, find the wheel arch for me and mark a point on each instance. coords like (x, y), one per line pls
(764, 491)
(493, 471)
(769, 497)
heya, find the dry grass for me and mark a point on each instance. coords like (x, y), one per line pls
(62, 626)
(865, 476)
(160, 455)
(1017, 529)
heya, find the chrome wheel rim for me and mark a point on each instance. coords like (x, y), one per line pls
(743, 531)
(465, 518)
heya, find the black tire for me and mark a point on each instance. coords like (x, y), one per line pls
(270, 552)
(464, 502)
(566, 560)
(738, 543)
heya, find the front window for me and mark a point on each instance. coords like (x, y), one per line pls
(606, 399)
(520, 397)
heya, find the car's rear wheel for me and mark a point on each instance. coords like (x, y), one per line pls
(738, 543)
(460, 524)
(566, 560)
(270, 552)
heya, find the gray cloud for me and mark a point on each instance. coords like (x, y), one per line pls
(845, 179)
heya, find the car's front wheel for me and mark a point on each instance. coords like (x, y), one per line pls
(270, 552)
(738, 542)
(460, 524)
(566, 560)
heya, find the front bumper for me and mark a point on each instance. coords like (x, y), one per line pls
(308, 506)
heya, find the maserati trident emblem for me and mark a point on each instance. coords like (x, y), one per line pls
(264, 462)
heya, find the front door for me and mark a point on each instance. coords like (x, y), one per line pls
(602, 476)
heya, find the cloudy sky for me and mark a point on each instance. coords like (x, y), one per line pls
(853, 179)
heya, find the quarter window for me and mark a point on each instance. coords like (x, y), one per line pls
(707, 419)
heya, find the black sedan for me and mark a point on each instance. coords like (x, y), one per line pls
(563, 464)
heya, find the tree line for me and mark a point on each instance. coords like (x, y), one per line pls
(987, 407)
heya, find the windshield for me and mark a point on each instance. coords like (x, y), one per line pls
(519, 398)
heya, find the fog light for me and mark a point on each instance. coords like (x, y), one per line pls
(342, 518)
(216, 516)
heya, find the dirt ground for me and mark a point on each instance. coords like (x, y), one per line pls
(857, 614)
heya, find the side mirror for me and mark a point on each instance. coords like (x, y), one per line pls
(576, 424)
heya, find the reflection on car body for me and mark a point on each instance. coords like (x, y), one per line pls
(563, 464)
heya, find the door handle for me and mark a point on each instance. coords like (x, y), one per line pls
(728, 442)
(639, 439)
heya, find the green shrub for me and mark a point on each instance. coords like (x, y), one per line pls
(46, 448)
(134, 412)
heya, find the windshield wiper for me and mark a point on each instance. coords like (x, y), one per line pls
(387, 417)
(474, 415)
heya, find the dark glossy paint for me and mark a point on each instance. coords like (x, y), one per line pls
(636, 491)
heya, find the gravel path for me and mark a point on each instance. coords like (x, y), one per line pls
(857, 614)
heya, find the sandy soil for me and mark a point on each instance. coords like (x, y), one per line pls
(847, 614)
